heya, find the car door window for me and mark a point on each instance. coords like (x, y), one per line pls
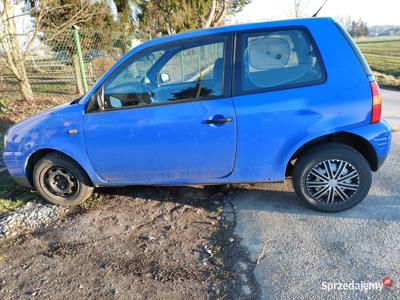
(189, 64)
(130, 86)
(134, 72)
(195, 72)
(277, 59)
(183, 71)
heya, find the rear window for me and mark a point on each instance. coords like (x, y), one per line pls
(276, 59)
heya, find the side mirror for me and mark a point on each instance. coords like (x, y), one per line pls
(115, 102)
(164, 78)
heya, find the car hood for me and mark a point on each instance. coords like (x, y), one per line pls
(21, 133)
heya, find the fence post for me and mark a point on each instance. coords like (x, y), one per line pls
(75, 30)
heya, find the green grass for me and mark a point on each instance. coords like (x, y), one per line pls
(42, 89)
(54, 88)
(12, 195)
(389, 65)
(383, 56)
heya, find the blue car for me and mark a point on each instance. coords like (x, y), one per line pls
(236, 104)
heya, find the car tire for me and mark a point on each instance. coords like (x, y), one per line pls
(332, 177)
(60, 180)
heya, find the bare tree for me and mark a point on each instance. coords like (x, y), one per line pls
(355, 28)
(217, 13)
(221, 8)
(59, 19)
(12, 54)
(211, 16)
(15, 44)
(297, 8)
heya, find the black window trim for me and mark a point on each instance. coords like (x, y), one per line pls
(237, 71)
(227, 76)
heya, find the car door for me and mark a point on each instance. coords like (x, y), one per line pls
(167, 115)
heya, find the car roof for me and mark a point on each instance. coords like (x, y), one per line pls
(238, 27)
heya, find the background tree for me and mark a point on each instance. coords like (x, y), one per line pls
(355, 28)
(94, 19)
(358, 28)
(51, 21)
(172, 16)
(125, 23)
(220, 9)
(125, 12)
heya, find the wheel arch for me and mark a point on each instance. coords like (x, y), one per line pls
(355, 141)
(38, 154)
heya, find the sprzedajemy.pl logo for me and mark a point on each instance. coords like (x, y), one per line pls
(357, 286)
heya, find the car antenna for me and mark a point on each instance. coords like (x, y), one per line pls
(323, 4)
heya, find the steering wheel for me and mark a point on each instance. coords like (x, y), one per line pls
(141, 88)
(146, 87)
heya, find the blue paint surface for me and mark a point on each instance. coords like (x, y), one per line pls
(173, 144)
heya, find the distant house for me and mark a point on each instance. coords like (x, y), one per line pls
(384, 30)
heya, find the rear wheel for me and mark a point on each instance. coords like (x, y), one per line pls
(332, 177)
(59, 180)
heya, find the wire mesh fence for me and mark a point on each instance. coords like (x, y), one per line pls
(63, 66)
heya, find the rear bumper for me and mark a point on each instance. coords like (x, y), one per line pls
(381, 160)
(379, 135)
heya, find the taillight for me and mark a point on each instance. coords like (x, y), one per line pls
(376, 102)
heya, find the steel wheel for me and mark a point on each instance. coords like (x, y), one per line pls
(332, 181)
(60, 182)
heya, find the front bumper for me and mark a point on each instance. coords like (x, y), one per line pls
(23, 181)
(16, 163)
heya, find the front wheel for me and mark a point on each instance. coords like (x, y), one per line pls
(59, 180)
(332, 177)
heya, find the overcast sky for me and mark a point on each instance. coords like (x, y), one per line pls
(374, 12)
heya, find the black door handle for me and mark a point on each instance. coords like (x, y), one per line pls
(219, 121)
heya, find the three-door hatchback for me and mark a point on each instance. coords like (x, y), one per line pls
(245, 103)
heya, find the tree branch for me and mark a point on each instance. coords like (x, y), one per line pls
(218, 20)
(210, 18)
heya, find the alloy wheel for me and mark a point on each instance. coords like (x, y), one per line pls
(332, 181)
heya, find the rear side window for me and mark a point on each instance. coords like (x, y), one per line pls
(276, 59)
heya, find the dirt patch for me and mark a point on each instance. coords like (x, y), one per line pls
(147, 242)
(63, 249)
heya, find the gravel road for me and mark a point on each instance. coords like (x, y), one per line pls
(304, 248)
(391, 107)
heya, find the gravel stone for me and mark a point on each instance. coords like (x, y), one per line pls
(33, 215)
